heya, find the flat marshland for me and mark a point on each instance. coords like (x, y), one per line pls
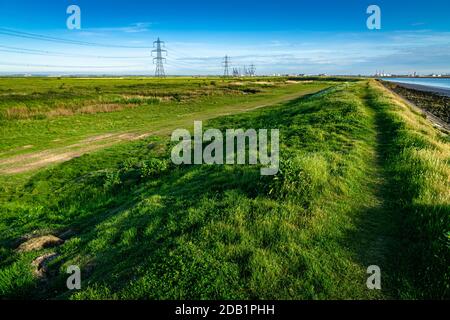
(364, 180)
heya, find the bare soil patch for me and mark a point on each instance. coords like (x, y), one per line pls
(38, 243)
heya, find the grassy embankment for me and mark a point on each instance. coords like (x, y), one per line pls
(363, 181)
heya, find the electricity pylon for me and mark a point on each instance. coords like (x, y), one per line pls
(252, 70)
(226, 66)
(159, 72)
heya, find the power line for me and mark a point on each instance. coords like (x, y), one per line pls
(180, 67)
(66, 66)
(35, 36)
(226, 65)
(176, 53)
(178, 62)
(62, 54)
(179, 57)
(159, 72)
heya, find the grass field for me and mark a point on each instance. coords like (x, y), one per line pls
(51, 114)
(363, 180)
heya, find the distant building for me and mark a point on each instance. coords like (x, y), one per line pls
(382, 74)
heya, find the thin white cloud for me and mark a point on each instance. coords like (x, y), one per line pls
(138, 27)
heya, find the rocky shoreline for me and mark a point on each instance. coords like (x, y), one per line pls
(433, 100)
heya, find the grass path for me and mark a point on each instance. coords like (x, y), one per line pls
(375, 237)
(358, 226)
(362, 228)
(379, 223)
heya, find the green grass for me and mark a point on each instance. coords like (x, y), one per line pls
(362, 181)
(42, 113)
(416, 157)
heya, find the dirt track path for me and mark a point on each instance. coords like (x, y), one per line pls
(378, 226)
(36, 160)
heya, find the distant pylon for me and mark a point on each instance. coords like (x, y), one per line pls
(226, 66)
(252, 70)
(159, 72)
(235, 72)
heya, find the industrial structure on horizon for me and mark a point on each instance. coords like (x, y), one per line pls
(159, 72)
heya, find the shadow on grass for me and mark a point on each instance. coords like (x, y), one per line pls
(405, 238)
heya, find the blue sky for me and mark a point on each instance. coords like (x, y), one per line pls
(277, 36)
